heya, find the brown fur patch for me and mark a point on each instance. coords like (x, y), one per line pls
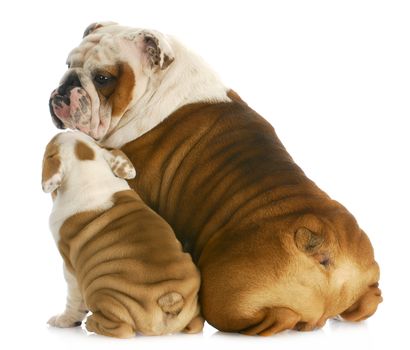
(69, 230)
(83, 151)
(219, 175)
(108, 89)
(115, 254)
(118, 91)
(122, 96)
(51, 160)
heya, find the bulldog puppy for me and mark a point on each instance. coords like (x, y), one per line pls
(274, 251)
(121, 260)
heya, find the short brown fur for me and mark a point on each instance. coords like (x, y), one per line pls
(51, 161)
(130, 268)
(122, 96)
(83, 151)
(235, 198)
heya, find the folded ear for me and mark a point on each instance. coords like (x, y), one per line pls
(120, 164)
(94, 26)
(155, 48)
(52, 174)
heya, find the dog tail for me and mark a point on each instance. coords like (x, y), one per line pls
(171, 303)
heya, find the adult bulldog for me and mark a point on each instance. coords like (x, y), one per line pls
(275, 252)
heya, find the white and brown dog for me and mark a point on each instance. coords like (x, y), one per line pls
(274, 251)
(122, 261)
(122, 82)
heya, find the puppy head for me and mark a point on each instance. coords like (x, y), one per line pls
(70, 151)
(108, 73)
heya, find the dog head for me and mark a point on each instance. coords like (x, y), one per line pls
(107, 74)
(74, 151)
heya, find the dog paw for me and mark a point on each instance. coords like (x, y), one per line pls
(195, 326)
(365, 307)
(64, 321)
(275, 320)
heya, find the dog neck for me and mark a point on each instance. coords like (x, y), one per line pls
(187, 80)
(88, 187)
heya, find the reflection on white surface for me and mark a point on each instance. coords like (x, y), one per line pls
(335, 334)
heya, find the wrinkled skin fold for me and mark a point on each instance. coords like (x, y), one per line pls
(275, 252)
(235, 198)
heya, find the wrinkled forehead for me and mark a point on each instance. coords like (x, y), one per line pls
(104, 46)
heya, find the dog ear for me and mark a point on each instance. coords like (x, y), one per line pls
(52, 173)
(155, 48)
(308, 241)
(120, 164)
(94, 26)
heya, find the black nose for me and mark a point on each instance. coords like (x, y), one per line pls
(71, 82)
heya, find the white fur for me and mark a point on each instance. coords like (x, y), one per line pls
(87, 184)
(75, 309)
(187, 80)
(157, 93)
(53, 182)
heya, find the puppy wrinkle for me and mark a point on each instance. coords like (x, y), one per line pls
(102, 276)
(275, 320)
(114, 305)
(100, 324)
(246, 199)
(162, 118)
(114, 244)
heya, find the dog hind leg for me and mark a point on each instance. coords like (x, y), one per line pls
(99, 323)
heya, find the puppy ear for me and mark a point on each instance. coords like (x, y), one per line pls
(94, 26)
(308, 241)
(52, 174)
(120, 164)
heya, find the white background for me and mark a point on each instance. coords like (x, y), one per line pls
(333, 77)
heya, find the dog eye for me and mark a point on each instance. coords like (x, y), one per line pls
(102, 79)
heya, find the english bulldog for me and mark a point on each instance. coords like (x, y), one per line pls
(122, 261)
(274, 251)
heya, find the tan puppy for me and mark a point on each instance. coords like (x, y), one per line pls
(274, 251)
(121, 260)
